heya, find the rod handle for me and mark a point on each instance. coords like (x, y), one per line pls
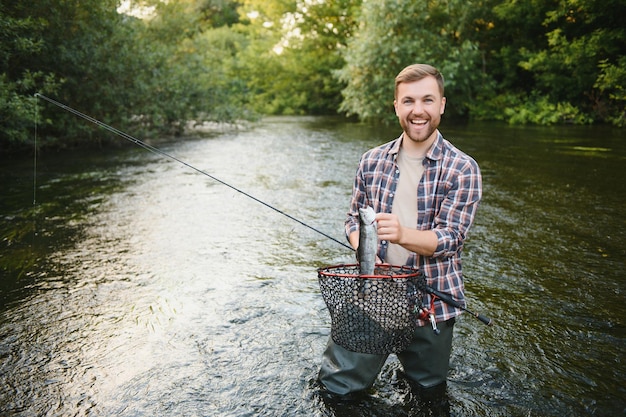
(484, 319)
(449, 300)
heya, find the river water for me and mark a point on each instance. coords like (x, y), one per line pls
(135, 286)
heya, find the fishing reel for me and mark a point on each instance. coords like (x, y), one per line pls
(419, 308)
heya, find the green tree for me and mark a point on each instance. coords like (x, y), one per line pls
(292, 52)
(523, 61)
(325, 29)
(394, 34)
(83, 53)
(193, 51)
(152, 75)
(583, 37)
(555, 61)
(611, 88)
(20, 41)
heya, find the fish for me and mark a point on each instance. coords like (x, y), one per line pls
(368, 241)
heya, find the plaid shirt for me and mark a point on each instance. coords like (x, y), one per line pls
(447, 198)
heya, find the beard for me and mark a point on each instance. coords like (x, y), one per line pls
(419, 135)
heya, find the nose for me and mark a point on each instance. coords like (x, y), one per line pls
(418, 108)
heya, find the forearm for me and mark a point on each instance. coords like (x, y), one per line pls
(353, 238)
(422, 242)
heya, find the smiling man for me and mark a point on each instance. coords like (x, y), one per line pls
(425, 192)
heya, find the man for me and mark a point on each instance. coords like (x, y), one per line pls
(425, 192)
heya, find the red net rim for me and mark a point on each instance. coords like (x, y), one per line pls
(394, 271)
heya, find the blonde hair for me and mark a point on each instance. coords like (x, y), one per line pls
(417, 72)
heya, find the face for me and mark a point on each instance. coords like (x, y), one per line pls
(419, 106)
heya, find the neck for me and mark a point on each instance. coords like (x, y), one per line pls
(415, 149)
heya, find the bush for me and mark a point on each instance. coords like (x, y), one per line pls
(543, 112)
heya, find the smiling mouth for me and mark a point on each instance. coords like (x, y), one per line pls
(418, 123)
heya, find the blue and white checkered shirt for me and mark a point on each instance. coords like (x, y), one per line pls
(447, 198)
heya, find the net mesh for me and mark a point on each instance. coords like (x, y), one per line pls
(371, 313)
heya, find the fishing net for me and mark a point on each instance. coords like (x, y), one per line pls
(371, 313)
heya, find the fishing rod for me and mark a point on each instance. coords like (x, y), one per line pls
(423, 286)
(167, 155)
(451, 301)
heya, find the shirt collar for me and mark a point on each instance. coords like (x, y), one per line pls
(435, 152)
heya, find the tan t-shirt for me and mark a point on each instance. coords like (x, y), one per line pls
(405, 202)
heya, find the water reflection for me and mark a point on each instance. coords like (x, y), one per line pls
(153, 290)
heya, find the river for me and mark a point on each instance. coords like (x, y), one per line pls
(134, 286)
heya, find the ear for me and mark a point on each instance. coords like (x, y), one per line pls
(395, 106)
(443, 105)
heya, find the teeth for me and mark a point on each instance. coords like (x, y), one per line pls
(418, 122)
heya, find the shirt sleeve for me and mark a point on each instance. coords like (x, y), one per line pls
(358, 196)
(458, 210)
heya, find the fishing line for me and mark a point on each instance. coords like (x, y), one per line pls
(35, 156)
(167, 155)
(443, 297)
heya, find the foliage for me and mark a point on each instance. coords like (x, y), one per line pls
(192, 59)
(293, 52)
(611, 84)
(147, 75)
(398, 33)
(557, 56)
(544, 112)
(521, 61)
(19, 41)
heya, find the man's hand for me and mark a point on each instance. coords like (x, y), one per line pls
(389, 227)
(422, 242)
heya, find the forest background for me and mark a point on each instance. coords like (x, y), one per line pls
(154, 66)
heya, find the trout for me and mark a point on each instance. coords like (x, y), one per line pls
(368, 241)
